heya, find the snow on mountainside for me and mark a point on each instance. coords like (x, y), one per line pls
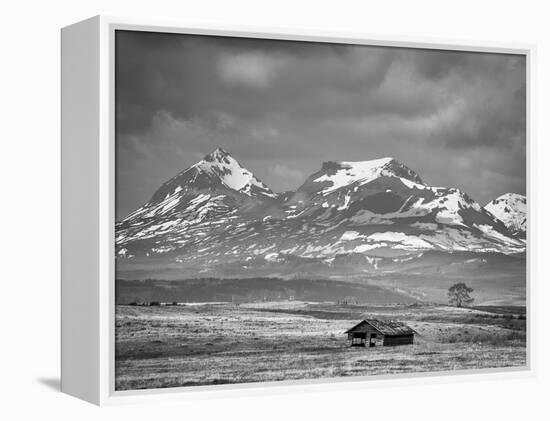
(219, 168)
(334, 175)
(217, 218)
(216, 171)
(211, 191)
(511, 209)
(232, 174)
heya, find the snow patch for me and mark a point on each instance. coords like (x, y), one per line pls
(272, 257)
(351, 172)
(346, 203)
(351, 235)
(406, 241)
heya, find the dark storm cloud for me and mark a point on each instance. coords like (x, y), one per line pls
(284, 107)
(192, 74)
(436, 64)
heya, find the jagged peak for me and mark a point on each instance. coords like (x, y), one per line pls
(218, 168)
(511, 209)
(218, 155)
(342, 173)
(509, 197)
(334, 165)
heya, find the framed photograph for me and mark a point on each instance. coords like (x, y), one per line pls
(245, 209)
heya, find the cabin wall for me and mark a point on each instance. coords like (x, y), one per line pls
(398, 340)
(368, 331)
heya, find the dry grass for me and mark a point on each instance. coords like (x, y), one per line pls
(160, 347)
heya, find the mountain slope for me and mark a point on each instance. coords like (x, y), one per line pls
(335, 175)
(511, 209)
(217, 169)
(217, 219)
(211, 192)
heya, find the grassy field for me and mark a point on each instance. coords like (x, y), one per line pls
(204, 344)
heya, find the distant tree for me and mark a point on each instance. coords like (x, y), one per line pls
(459, 295)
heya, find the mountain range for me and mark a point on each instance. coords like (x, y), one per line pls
(217, 219)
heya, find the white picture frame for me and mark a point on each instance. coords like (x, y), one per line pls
(88, 168)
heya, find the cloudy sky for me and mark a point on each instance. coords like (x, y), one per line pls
(282, 108)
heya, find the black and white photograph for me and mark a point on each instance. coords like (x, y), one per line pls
(295, 210)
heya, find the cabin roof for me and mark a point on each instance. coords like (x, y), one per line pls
(385, 327)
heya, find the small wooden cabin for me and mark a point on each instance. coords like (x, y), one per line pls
(373, 332)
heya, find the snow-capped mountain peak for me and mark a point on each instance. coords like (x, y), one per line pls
(335, 175)
(217, 169)
(347, 172)
(218, 155)
(221, 164)
(511, 209)
(217, 215)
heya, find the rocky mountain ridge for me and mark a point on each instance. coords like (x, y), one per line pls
(217, 219)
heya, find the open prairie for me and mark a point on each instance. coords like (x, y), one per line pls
(216, 343)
